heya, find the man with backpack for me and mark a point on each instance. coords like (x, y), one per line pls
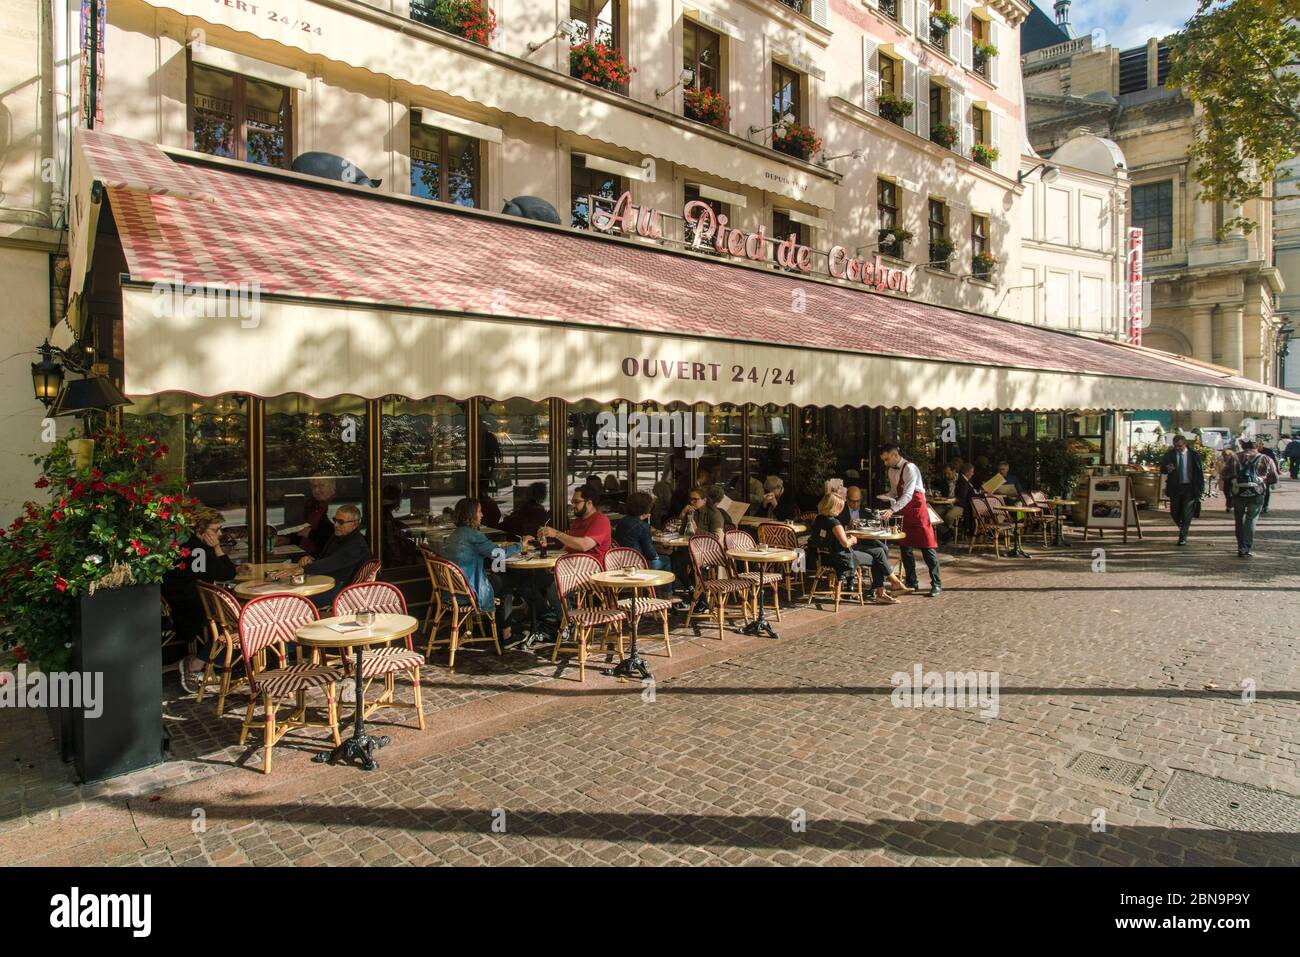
(1246, 478)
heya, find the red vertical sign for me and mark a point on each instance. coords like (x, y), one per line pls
(1134, 276)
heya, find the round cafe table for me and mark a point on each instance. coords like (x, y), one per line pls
(1016, 512)
(319, 635)
(1058, 536)
(259, 587)
(640, 578)
(761, 557)
(753, 521)
(671, 543)
(534, 561)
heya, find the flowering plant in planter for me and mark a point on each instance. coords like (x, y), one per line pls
(472, 19)
(600, 65)
(984, 155)
(982, 51)
(706, 106)
(983, 264)
(893, 108)
(110, 522)
(944, 134)
(941, 250)
(941, 21)
(796, 140)
(892, 239)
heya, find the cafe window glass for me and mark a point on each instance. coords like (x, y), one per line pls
(316, 461)
(240, 117)
(588, 186)
(787, 93)
(1084, 433)
(981, 444)
(846, 429)
(950, 435)
(1153, 212)
(720, 460)
(514, 451)
(702, 56)
(445, 166)
(664, 460)
(598, 21)
(1015, 426)
(769, 449)
(887, 212)
(424, 460)
(1047, 425)
(207, 447)
(598, 450)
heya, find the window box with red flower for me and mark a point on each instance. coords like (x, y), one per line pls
(795, 140)
(600, 65)
(944, 134)
(984, 155)
(472, 19)
(982, 265)
(706, 106)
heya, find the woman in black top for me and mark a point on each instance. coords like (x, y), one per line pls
(205, 561)
(830, 538)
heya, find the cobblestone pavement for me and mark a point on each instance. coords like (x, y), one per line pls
(795, 753)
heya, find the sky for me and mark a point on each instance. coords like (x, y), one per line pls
(1124, 23)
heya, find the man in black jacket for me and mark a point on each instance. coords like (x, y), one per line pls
(342, 556)
(1184, 483)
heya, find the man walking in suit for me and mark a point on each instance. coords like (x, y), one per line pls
(1184, 483)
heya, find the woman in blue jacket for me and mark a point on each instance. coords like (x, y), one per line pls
(473, 552)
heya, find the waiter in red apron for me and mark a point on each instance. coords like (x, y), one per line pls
(908, 501)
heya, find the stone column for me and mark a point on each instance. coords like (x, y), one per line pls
(1201, 327)
(1230, 346)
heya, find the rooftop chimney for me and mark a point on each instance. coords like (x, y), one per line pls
(1062, 8)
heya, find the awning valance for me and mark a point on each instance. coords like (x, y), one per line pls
(292, 284)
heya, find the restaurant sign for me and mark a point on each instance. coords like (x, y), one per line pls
(707, 228)
(1135, 297)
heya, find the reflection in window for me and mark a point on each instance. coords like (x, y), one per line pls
(588, 183)
(720, 460)
(239, 117)
(1047, 425)
(424, 467)
(315, 461)
(444, 166)
(981, 444)
(692, 194)
(207, 446)
(786, 94)
(597, 19)
(597, 455)
(769, 449)
(514, 451)
(663, 467)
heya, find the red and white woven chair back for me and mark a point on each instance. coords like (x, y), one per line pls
(620, 557)
(368, 572)
(706, 553)
(571, 571)
(382, 597)
(220, 606)
(739, 539)
(270, 619)
(777, 535)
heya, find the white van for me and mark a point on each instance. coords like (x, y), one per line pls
(1145, 431)
(1213, 436)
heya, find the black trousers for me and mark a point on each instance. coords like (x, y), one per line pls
(877, 554)
(931, 556)
(1182, 506)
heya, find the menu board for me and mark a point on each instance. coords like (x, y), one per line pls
(1110, 505)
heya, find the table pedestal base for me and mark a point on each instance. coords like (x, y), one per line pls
(362, 747)
(760, 625)
(633, 666)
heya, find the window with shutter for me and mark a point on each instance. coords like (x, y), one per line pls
(964, 26)
(909, 93)
(967, 132)
(870, 73)
(924, 102)
(993, 60)
(821, 13)
(909, 15)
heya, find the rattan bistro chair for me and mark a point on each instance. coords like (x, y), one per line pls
(716, 580)
(825, 581)
(436, 610)
(387, 660)
(368, 571)
(990, 531)
(222, 611)
(271, 620)
(619, 558)
(467, 625)
(582, 611)
(762, 578)
(780, 535)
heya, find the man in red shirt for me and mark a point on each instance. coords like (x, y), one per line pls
(589, 532)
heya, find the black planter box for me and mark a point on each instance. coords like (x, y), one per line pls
(121, 639)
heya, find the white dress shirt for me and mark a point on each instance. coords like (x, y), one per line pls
(912, 484)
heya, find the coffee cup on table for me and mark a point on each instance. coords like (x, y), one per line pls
(366, 616)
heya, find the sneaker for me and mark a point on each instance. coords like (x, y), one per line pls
(680, 607)
(1182, 541)
(934, 591)
(701, 607)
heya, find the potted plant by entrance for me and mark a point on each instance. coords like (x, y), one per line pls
(984, 155)
(815, 462)
(472, 19)
(941, 250)
(982, 265)
(796, 140)
(944, 134)
(1059, 467)
(600, 65)
(79, 593)
(893, 108)
(705, 106)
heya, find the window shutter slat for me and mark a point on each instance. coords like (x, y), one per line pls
(993, 61)
(909, 87)
(965, 38)
(922, 110)
(870, 73)
(909, 15)
(821, 12)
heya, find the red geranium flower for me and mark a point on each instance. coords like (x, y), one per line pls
(60, 583)
(42, 482)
